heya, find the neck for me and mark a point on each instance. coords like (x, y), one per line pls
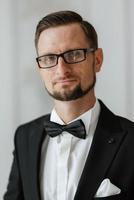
(70, 110)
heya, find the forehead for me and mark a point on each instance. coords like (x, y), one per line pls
(62, 38)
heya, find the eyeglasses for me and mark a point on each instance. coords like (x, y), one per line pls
(69, 57)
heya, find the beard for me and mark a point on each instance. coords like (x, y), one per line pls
(76, 93)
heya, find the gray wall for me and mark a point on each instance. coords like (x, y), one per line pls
(22, 94)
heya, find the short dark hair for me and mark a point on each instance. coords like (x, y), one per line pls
(64, 18)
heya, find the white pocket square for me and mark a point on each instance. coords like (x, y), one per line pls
(107, 189)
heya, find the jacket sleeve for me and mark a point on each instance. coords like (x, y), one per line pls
(14, 188)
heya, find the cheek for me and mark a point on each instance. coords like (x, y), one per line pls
(46, 78)
(87, 76)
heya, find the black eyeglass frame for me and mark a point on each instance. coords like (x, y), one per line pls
(85, 50)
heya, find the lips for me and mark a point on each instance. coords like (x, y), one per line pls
(64, 80)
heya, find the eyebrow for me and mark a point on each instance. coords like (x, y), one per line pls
(49, 54)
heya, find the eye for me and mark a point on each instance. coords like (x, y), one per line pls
(78, 53)
(48, 59)
(74, 55)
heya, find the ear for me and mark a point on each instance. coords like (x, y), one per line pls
(98, 59)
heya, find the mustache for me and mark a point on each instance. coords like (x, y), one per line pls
(69, 78)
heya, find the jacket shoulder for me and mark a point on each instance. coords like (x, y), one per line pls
(32, 127)
(36, 121)
(114, 122)
(126, 123)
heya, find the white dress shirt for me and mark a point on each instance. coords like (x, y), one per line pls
(63, 158)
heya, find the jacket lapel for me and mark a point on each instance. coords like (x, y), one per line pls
(107, 140)
(36, 139)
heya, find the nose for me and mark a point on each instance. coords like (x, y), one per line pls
(62, 67)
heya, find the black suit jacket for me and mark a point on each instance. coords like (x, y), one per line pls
(111, 156)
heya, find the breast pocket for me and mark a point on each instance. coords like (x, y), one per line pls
(113, 197)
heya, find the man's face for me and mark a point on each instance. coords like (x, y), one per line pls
(64, 81)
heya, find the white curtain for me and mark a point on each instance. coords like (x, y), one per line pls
(22, 94)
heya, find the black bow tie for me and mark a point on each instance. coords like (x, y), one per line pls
(76, 128)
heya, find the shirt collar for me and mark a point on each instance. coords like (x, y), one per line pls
(88, 118)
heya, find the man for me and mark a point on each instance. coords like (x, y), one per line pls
(81, 150)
